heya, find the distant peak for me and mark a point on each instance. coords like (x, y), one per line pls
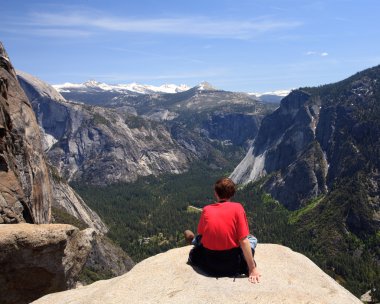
(91, 83)
(205, 86)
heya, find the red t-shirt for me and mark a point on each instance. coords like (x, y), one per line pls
(223, 225)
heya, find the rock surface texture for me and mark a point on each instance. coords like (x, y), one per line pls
(287, 277)
(40, 259)
(25, 192)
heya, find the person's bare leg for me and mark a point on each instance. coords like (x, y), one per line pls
(189, 236)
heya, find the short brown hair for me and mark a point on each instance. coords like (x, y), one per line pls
(225, 188)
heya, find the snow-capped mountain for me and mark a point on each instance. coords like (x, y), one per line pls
(121, 88)
(124, 145)
(205, 86)
(272, 97)
(93, 86)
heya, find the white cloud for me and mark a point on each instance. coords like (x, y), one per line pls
(54, 32)
(313, 53)
(196, 26)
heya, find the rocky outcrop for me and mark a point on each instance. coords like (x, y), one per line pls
(25, 192)
(40, 259)
(287, 277)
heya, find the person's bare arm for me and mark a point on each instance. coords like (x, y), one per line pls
(254, 274)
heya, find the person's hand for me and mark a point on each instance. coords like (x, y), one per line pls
(254, 276)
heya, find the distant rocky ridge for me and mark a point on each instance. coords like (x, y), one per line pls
(317, 137)
(199, 98)
(287, 277)
(102, 145)
(134, 89)
(25, 188)
(152, 134)
(201, 109)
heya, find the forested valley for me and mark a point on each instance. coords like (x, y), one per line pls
(149, 216)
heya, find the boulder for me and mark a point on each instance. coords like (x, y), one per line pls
(39, 259)
(287, 277)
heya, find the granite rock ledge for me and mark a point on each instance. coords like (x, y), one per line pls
(287, 277)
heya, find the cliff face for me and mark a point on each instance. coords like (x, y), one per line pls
(317, 138)
(102, 145)
(286, 144)
(287, 277)
(28, 190)
(233, 128)
(25, 192)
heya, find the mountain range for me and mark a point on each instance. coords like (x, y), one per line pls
(136, 88)
(126, 136)
(130, 88)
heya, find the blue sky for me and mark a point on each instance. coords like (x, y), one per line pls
(247, 45)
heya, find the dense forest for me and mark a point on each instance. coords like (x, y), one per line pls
(149, 216)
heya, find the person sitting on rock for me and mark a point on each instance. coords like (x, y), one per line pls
(223, 246)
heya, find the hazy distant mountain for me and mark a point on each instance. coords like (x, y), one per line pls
(217, 114)
(148, 99)
(271, 97)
